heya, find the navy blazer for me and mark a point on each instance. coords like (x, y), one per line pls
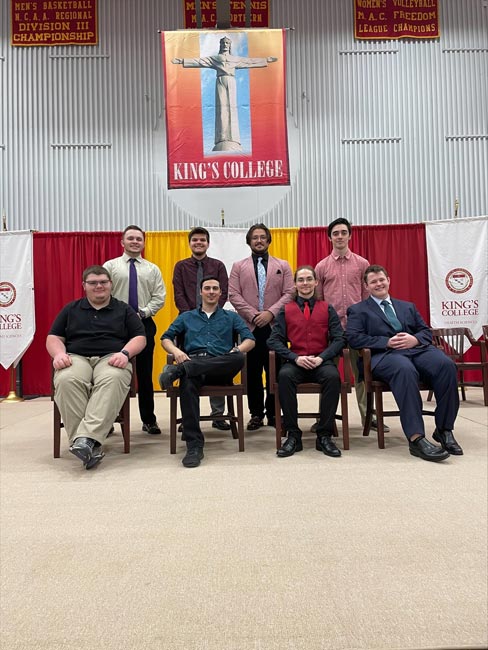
(368, 327)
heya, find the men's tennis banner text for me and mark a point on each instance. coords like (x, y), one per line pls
(52, 22)
(225, 108)
(259, 13)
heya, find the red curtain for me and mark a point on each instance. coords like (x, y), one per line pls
(59, 260)
(400, 249)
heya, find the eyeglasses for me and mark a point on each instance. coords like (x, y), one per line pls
(94, 283)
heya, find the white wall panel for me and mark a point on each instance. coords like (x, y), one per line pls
(380, 131)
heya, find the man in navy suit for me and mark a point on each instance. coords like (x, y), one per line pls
(401, 354)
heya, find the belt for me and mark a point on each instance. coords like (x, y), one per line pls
(198, 354)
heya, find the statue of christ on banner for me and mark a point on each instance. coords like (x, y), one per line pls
(227, 134)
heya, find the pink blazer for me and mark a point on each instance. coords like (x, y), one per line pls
(243, 287)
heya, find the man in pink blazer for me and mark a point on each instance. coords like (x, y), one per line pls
(258, 287)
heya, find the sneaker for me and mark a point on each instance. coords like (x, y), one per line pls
(255, 423)
(193, 457)
(152, 429)
(169, 375)
(222, 425)
(95, 459)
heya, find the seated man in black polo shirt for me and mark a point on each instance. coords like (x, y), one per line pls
(91, 342)
(314, 331)
(208, 356)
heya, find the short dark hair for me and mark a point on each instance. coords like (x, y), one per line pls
(338, 222)
(199, 231)
(134, 228)
(374, 268)
(305, 267)
(207, 278)
(95, 269)
(257, 226)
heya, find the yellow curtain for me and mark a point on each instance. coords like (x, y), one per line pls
(167, 248)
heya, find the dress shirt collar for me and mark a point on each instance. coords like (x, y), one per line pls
(301, 302)
(378, 301)
(264, 257)
(126, 257)
(336, 256)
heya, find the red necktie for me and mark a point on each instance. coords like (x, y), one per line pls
(306, 310)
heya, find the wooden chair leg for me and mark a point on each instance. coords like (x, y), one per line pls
(230, 410)
(379, 418)
(240, 421)
(56, 431)
(369, 414)
(125, 424)
(345, 420)
(278, 421)
(172, 423)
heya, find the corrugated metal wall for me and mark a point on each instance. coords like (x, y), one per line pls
(380, 132)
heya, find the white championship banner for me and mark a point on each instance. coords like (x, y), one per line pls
(457, 255)
(17, 317)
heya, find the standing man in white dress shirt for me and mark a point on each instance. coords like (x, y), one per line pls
(147, 299)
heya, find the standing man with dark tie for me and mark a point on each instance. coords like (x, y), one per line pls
(140, 283)
(187, 280)
(258, 287)
(401, 354)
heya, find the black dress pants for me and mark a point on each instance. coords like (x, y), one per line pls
(288, 379)
(257, 361)
(144, 371)
(201, 371)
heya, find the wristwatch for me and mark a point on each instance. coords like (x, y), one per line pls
(126, 353)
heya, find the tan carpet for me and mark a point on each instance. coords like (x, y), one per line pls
(375, 550)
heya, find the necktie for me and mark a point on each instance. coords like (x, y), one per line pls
(198, 300)
(133, 302)
(390, 314)
(261, 282)
(306, 310)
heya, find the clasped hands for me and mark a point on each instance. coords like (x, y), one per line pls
(402, 341)
(308, 362)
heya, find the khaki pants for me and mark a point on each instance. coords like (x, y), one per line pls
(90, 394)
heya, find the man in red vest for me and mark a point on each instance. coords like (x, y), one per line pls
(314, 332)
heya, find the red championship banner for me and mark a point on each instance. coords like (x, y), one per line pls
(53, 22)
(393, 19)
(225, 108)
(259, 13)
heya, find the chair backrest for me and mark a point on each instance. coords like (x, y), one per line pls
(452, 340)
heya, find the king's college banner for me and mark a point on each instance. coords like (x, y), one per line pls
(17, 319)
(457, 252)
(225, 108)
(393, 19)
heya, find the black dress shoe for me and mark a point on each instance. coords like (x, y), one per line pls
(222, 425)
(424, 449)
(326, 445)
(289, 447)
(448, 442)
(193, 457)
(152, 429)
(170, 374)
(83, 448)
(255, 423)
